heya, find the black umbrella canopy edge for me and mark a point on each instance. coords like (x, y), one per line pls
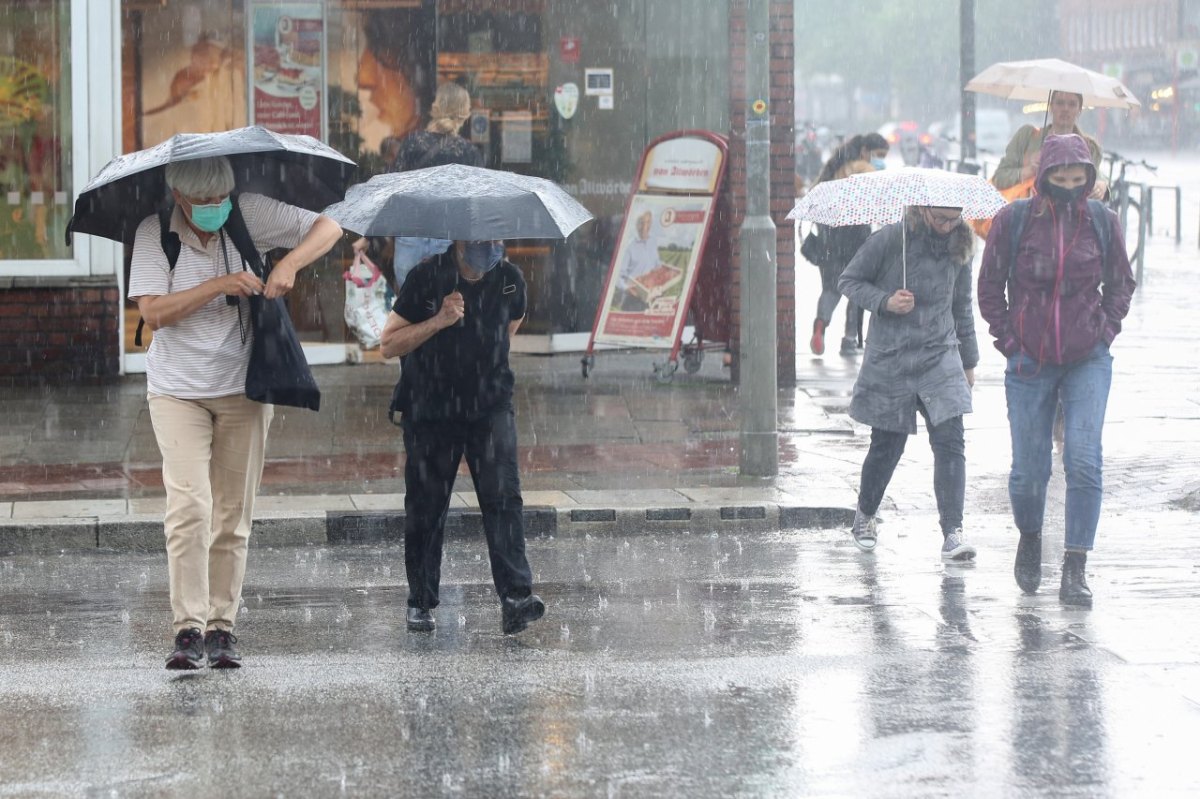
(255, 152)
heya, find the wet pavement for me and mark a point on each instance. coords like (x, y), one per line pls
(707, 634)
(785, 664)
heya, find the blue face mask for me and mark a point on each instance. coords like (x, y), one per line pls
(483, 256)
(210, 218)
(878, 163)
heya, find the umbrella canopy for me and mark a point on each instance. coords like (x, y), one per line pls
(879, 198)
(461, 203)
(1034, 80)
(296, 169)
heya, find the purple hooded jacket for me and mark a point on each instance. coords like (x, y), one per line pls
(1058, 306)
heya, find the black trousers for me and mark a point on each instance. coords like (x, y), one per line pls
(433, 451)
(949, 468)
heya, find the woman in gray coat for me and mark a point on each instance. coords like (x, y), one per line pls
(920, 357)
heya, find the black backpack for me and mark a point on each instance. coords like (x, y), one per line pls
(1100, 224)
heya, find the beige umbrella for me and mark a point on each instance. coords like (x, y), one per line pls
(1036, 79)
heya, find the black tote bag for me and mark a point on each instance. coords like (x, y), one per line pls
(278, 373)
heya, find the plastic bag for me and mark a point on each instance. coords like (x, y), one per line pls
(366, 301)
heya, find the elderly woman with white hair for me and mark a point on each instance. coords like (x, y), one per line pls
(212, 437)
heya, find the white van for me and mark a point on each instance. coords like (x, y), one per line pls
(993, 129)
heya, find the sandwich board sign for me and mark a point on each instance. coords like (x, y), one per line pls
(660, 251)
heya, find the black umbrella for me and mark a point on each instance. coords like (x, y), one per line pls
(295, 169)
(459, 202)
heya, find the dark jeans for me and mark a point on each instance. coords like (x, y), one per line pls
(433, 453)
(949, 468)
(1033, 392)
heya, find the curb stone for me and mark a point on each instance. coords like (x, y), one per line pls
(144, 532)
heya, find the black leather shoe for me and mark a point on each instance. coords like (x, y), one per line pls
(1028, 566)
(1074, 588)
(189, 651)
(221, 654)
(517, 613)
(420, 620)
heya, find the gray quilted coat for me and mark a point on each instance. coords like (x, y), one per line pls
(921, 354)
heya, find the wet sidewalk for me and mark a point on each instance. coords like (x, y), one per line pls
(81, 466)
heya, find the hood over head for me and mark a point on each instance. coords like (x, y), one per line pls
(1062, 151)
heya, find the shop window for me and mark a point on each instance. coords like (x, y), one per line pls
(35, 130)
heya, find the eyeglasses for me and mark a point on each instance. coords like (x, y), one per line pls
(941, 220)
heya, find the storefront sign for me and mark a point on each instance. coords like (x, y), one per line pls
(684, 164)
(566, 99)
(644, 304)
(287, 67)
(568, 49)
(597, 81)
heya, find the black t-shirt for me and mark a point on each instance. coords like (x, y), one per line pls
(460, 372)
(423, 149)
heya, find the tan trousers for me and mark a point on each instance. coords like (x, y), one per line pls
(212, 451)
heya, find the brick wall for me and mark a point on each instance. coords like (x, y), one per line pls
(783, 190)
(58, 330)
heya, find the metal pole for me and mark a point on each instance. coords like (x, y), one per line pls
(759, 386)
(966, 71)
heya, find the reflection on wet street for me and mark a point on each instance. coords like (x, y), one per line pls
(784, 664)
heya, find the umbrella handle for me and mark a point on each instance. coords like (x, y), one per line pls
(904, 247)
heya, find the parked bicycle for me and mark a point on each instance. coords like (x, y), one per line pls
(1121, 200)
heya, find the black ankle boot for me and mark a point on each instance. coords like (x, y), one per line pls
(1074, 588)
(1028, 567)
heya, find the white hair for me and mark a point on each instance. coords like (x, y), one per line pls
(201, 178)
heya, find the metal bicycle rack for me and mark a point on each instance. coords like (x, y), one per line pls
(1148, 208)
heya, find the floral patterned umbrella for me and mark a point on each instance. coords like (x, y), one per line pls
(879, 198)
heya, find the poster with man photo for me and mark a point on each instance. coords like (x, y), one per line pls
(652, 274)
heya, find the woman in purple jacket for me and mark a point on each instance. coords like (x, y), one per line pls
(1054, 307)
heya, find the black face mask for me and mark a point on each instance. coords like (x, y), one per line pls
(1061, 195)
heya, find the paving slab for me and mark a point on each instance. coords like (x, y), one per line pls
(60, 509)
(629, 498)
(275, 506)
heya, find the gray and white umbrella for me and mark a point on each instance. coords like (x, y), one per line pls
(299, 170)
(460, 203)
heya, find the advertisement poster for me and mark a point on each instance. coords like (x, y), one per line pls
(684, 164)
(287, 77)
(644, 302)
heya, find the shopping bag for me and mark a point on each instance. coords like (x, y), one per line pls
(366, 301)
(278, 372)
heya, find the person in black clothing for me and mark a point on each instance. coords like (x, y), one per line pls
(451, 326)
(438, 145)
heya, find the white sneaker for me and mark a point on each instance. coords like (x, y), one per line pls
(956, 548)
(863, 531)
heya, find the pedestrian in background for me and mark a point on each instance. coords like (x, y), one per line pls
(437, 145)
(212, 437)
(1054, 306)
(863, 153)
(920, 358)
(1019, 166)
(452, 325)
